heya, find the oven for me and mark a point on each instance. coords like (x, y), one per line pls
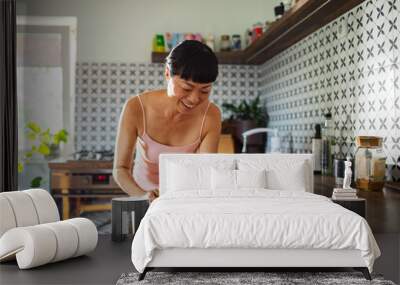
(83, 186)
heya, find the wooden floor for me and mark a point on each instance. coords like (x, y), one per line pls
(110, 259)
(383, 207)
(102, 266)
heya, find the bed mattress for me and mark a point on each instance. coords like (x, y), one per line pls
(250, 219)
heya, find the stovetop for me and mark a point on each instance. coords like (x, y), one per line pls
(102, 155)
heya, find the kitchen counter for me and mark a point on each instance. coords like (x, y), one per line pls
(80, 164)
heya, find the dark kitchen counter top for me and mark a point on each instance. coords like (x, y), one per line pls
(383, 207)
(62, 164)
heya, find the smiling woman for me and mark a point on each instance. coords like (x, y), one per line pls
(179, 119)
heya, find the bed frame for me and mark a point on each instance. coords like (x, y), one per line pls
(246, 259)
(242, 259)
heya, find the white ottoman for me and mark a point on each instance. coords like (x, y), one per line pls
(31, 232)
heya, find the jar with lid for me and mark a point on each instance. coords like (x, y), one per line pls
(225, 44)
(236, 42)
(370, 161)
(210, 42)
(257, 31)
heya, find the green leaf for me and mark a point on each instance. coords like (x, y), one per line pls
(34, 127)
(248, 110)
(20, 167)
(44, 149)
(35, 183)
(31, 136)
(28, 154)
(45, 137)
(61, 136)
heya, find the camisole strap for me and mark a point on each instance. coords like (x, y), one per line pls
(144, 115)
(204, 118)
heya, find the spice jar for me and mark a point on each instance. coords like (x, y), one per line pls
(225, 43)
(210, 42)
(257, 31)
(370, 161)
(158, 43)
(236, 42)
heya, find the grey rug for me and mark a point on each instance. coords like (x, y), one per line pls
(102, 220)
(243, 278)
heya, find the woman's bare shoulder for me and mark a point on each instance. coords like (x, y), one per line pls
(133, 103)
(152, 95)
(213, 118)
(214, 112)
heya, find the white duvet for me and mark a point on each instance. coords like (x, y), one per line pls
(253, 218)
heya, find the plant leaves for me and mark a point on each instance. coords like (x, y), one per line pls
(248, 110)
(31, 136)
(44, 149)
(45, 137)
(35, 183)
(61, 136)
(20, 167)
(34, 127)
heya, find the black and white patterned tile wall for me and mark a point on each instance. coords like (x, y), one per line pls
(351, 68)
(102, 89)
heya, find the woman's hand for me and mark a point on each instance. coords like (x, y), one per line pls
(152, 195)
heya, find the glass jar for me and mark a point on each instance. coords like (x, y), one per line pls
(236, 42)
(225, 44)
(370, 161)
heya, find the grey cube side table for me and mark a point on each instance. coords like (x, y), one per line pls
(121, 215)
(356, 205)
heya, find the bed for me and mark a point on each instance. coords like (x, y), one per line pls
(246, 211)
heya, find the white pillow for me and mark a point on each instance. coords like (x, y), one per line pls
(223, 179)
(188, 176)
(183, 178)
(281, 174)
(226, 179)
(294, 179)
(251, 178)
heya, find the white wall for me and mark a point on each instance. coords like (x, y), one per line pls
(122, 30)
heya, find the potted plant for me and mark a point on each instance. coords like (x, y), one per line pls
(248, 114)
(42, 143)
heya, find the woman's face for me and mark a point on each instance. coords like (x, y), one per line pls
(189, 94)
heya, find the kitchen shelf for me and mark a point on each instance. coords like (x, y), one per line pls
(224, 57)
(303, 19)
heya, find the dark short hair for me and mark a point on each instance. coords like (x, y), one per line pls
(193, 60)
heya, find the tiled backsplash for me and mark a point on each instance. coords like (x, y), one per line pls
(353, 74)
(102, 89)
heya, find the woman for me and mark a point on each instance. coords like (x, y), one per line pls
(180, 119)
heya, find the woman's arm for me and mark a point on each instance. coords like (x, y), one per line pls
(212, 130)
(125, 148)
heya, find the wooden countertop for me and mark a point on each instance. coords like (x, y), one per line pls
(80, 164)
(383, 207)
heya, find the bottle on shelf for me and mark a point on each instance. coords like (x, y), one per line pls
(328, 143)
(316, 146)
(225, 44)
(210, 42)
(248, 37)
